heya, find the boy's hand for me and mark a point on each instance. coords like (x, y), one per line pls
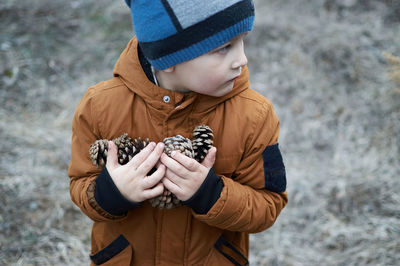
(185, 175)
(131, 179)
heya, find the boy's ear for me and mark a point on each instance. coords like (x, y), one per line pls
(169, 70)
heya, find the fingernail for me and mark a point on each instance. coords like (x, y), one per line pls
(161, 145)
(173, 153)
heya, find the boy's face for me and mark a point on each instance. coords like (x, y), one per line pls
(213, 73)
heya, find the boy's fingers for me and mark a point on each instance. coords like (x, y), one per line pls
(158, 163)
(173, 165)
(155, 178)
(209, 160)
(151, 159)
(168, 184)
(139, 158)
(188, 163)
(174, 178)
(154, 192)
(112, 158)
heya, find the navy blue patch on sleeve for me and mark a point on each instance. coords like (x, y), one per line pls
(274, 169)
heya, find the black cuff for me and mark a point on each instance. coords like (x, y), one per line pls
(108, 196)
(209, 192)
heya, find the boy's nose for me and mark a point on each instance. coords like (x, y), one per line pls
(240, 58)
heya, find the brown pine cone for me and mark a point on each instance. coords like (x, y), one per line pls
(127, 148)
(175, 143)
(197, 149)
(203, 139)
(98, 152)
(166, 200)
(178, 143)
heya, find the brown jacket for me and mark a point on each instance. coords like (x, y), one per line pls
(244, 125)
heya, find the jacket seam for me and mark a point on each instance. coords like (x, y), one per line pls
(99, 88)
(265, 108)
(94, 117)
(94, 108)
(187, 238)
(261, 102)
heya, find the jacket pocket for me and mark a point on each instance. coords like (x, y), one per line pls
(230, 254)
(118, 252)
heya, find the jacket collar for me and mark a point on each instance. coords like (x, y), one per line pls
(129, 70)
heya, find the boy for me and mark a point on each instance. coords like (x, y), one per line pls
(185, 67)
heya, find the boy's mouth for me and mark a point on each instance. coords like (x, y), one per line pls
(235, 78)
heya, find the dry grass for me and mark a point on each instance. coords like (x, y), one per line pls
(324, 70)
(394, 64)
(49, 54)
(321, 64)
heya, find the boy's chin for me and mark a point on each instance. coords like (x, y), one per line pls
(222, 91)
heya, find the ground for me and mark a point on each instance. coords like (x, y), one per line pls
(321, 64)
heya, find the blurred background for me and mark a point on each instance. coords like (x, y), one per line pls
(321, 64)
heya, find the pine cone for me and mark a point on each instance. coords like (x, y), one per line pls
(197, 149)
(178, 143)
(175, 143)
(127, 148)
(202, 141)
(166, 200)
(98, 152)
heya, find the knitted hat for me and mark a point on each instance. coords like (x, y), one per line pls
(173, 31)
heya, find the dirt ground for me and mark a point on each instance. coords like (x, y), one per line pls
(321, 64)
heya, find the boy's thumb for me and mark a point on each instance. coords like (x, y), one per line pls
(209, 160)
(112, 158)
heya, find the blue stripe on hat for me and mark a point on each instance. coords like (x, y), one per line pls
(151, 21)
(203, 46)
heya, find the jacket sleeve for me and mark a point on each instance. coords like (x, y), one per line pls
(83, 174)
(253, 198)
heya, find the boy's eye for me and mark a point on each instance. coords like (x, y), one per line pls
(224, 50)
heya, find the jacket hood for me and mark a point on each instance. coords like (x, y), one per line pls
(129, 70)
